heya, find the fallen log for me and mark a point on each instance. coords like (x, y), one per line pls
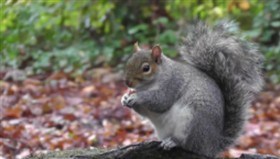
(146, 150)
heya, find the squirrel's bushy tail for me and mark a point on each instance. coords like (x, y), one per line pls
(233, 63)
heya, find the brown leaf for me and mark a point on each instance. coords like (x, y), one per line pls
(30, 81)
(89, 91)
(13, 112)
(57, 76)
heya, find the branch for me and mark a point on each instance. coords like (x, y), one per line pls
(146, 150)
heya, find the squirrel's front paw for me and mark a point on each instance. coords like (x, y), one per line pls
(124, 99)
(129, 100)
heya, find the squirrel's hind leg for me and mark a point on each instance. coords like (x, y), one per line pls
(168, 143)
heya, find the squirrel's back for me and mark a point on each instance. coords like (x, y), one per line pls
(234, 64)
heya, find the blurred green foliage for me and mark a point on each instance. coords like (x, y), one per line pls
(74, 35)
(266, 31)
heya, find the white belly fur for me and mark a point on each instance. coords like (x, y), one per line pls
(173, 123)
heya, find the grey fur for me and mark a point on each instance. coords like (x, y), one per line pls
(234, 64)
(202, 105)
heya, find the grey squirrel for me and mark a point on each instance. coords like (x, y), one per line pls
(199, 104)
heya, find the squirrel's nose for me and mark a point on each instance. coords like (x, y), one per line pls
(128, 83)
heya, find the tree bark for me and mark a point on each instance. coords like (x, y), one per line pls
(147, 150)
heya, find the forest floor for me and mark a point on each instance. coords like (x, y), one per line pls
(57, 112)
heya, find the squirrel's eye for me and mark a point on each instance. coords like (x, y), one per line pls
(146, 68)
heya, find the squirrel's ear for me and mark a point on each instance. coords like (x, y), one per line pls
(156, 54)
(136, 47)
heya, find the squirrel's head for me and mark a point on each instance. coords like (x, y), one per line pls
(142, 67)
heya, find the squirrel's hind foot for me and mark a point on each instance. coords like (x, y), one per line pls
(168, 144)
